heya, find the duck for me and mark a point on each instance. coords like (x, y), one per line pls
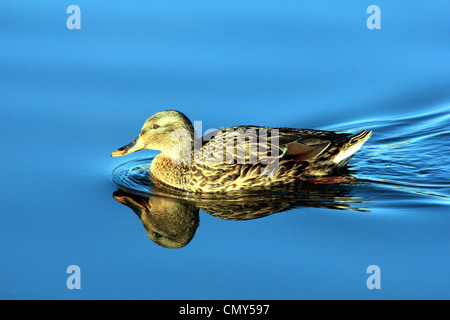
(240, 157)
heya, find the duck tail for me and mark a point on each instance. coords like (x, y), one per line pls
(351, 146)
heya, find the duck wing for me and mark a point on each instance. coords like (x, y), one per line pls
(251, 144)
(300, 147)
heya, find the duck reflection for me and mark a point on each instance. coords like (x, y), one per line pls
(171, 220)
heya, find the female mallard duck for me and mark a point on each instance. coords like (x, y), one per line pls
(241, 157)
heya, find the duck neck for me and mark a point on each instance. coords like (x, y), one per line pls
(165, 170)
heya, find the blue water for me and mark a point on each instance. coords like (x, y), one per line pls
(71, 97)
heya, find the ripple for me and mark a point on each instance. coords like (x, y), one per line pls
(409, 152)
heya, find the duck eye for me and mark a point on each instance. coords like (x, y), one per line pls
(155, 126)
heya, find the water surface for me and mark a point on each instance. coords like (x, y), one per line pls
(71, 97)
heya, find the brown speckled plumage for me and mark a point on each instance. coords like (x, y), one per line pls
(243, 157)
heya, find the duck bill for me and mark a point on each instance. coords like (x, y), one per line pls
(133, 146)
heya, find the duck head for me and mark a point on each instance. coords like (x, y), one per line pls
(170, 132)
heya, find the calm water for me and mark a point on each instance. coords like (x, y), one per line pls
(71, 97)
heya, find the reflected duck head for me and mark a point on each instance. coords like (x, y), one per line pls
(170, 223)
